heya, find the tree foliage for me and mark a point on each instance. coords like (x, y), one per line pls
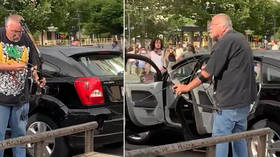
(99, 16)
(258, 15)
(95, 16)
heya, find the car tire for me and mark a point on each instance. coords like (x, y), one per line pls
(139, 138)
(40, 123)
(273, 139)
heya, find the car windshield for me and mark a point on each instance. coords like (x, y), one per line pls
(103, 64)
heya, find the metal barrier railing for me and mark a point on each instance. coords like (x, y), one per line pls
(38, 139)
(210, 143)
(82, 42)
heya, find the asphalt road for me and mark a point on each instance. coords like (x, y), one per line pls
(166, 137)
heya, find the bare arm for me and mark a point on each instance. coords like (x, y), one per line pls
(12, 67)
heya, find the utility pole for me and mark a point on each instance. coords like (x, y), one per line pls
(142, 37)
(79, 26)
(13, 5)
(274, 27)
(128, 28)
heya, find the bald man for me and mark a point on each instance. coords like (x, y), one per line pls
(231, 65)
(16, 50)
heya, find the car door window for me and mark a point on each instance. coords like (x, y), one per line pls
(102, 64)
(183, 73)
(139, 71)
(271, 74)
(50, 70)
(55, 70)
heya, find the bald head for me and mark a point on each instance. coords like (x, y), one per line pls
(13, 18)
(223, 19)
(13, 28)
(220, 24)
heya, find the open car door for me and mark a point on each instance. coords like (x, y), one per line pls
(143, 91)
(198, 101)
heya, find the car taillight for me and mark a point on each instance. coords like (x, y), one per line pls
(89, 90)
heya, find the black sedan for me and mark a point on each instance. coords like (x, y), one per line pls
(83, 84)
(151, 102)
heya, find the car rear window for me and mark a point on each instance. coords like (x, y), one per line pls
(102, 64)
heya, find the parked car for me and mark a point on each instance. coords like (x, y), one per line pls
(83, 85)
(153, 104)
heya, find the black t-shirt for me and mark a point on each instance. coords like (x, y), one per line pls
(14, 84)
(231, 64)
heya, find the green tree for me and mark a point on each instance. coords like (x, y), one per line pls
(97, 16)
(257, 15)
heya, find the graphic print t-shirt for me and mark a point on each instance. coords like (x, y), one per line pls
(13, 84)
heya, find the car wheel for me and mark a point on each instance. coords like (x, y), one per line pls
(273, 146)
(139, 138)
(38, 123)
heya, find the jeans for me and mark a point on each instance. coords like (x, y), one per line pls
(17, 117)
(228, 122)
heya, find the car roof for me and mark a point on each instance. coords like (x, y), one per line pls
(268, 56)
(265, 54)
(71, 51)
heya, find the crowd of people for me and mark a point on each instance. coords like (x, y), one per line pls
(273, 45)
(163, 57)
